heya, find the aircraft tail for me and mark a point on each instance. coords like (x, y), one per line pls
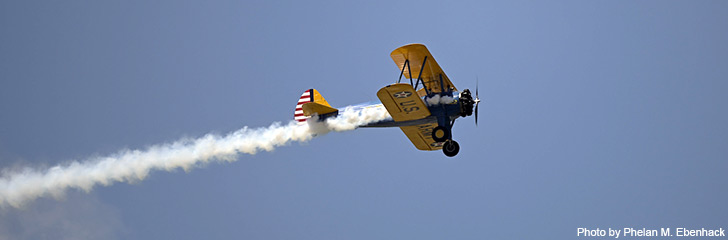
(312, 103)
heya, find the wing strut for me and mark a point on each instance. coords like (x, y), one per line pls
(409, 70)
(442, 84)
(419, 77)
(406, 64)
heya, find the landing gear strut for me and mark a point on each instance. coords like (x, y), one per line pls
(451, 148)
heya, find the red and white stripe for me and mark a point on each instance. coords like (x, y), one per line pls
(298, 114)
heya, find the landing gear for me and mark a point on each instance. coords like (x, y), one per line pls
(440, 134)
(451, 148)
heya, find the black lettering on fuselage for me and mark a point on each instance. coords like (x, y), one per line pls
(426, 130)
(407, 103)
(406, 106)
(410, 109)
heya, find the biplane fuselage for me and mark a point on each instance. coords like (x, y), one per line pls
(425, 115)
(450, 111)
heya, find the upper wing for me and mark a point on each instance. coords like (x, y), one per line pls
(431, 73)
(421, 136)
(402, 102)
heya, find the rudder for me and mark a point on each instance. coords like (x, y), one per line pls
(311, 102)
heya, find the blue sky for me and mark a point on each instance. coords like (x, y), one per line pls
(594, 114)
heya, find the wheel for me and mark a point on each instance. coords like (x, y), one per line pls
(451, 148)
(440, 134)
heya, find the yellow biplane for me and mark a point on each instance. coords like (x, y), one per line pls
(425, 109)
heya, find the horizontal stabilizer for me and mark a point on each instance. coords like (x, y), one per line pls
(323, 111)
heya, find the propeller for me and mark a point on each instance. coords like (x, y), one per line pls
(477, 100)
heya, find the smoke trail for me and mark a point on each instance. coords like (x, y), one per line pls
(134, 165)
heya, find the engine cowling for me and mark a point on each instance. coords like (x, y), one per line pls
(466, 103)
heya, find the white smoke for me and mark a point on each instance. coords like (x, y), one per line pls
(17, 188)
(437, 100)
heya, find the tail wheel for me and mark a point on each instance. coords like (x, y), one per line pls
(451, 148)
(440, 134)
